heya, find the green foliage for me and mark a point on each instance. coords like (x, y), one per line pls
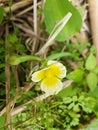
(92, 80)
(95, 70)
(76, 75)
(2, 119)
(69, 91)
(93, 126)
(1, 14)
(55, 10)
(90, 62)
(63, 113)
(2, 64)
(75, 106)
(95, 92)
(92, 76)
(12, 38)
(20, 48)
(60, 55)
(15, 44)
(16, 59)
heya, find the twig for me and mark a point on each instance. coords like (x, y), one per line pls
(35, 26)
(35, 16)
(28, 31)
(27, 9)
(14, 69)
(7, 74)
(3, 1)
(18, 5)
(93, 11)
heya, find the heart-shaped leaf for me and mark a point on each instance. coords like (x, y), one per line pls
(55, 10)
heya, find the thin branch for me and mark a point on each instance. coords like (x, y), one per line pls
(35, 17)
(93, 11)
(34, 44)
(27, 9)
(18, 5)
(28, 31)
(7, 74)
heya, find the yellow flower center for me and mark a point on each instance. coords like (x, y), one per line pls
(50, 81)
(53, 70)
(50, 75)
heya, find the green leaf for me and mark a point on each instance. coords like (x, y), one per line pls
(76, 75)
(93, 126)
(95, 92)
(60, 55)
(90, 62)
(12, 38)
(67, 92)
(92, 80)
(2, 119)
(20, 47)
(95, 70)
(55, 10)
(17, 59)
(1, 14)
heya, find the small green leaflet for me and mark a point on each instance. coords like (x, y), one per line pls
(90, 62)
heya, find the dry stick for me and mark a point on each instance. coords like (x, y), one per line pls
(35, 25)
(56, 30)
(7, 74)
(93, 11)
(18, 5)
(3, 1)
(34, 42)
(28, 31)
(27, 9)
(14, 69)
(35, 16)
(37, 99)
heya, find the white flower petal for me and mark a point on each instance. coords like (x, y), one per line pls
(63, 70)
(38, 76)
(50, 62)
(51, 90)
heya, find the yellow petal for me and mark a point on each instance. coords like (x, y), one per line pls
(51, 86)
(57, 68)
(38, 76)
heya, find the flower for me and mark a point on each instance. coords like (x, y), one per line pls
(50, 77)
